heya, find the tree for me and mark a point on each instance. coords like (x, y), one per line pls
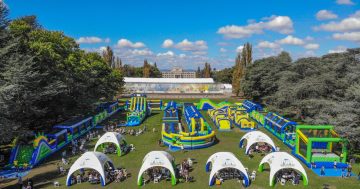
(243, 60)
(108, 56)
(45, 78)
(146, 69)
(314, 90)
(237, 74)
(224, 76)
(198, 72)
(207, 70)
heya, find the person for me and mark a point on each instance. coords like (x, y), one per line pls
(322, 171)
(349, 169)
(20, 182)
(343, 174)
(78, 179)
(31, 183)
(335, 164)
(90, 178)
(359, 175)
(182, 148)
(63, 154)
(313, 165)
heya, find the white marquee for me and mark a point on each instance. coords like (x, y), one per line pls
(255, 137)
(222, 160)
(157, 159)
(90, 160)
(111, 137)
(282, 160)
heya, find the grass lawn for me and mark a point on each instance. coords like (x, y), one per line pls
(46, 174)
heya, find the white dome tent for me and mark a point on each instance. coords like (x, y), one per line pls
(112, 137)
(157, 159)
(255, 137)
(282, 160)
(91, 160)
(222, 160)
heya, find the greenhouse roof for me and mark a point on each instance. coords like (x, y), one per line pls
(169, 80)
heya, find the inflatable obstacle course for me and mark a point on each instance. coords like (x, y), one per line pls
(312, 144)
(199, 135)
(321, 145)
(25, 157)
(139, 107)
(226, 115)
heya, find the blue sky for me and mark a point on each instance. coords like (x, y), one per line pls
(189, 33)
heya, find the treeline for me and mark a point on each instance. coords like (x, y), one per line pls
(45, 78)
(315, 90)
(147, 70)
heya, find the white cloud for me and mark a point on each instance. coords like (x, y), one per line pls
(312, 46)
(103, 48)
(338, 49)
(268, 44)
(125, 43)
(280, 24)
(345, 2)
(350, 23)
(325, 15)
(143, 52)
(167, 43)
(182, 55)
(186, 45)
(239, 49)
(107, 40)
(290, 40)
(309, 38)
(222, 50)
(168, 53)
(349, 36)
(91, 40)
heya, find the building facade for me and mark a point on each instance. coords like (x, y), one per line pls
(178, 72)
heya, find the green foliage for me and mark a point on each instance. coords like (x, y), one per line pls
(323, 90)
(45, 78)
(223, 76)
(146, 69)
(242, 61)
(131, 71)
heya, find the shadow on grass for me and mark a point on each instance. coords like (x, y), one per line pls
(41, 180)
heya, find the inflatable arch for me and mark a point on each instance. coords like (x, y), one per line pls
(255, 137)
(222, 160)
(282, 160)
(112, 137)
(91, 160)
(157, 159)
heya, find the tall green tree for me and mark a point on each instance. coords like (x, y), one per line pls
(146, 69)
(198, 72)
(108, 55)
(46, 78)
(207, 70)
(237, 74)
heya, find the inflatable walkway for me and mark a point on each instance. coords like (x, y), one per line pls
(24, 157)
(199, 135)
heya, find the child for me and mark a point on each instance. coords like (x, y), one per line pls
(322, 171)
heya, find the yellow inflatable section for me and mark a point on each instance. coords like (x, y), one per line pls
(224, 124)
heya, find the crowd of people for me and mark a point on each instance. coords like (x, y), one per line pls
(156, 174)
(93, 177)
(227, 174)
(259, 148)
(185, 168)
(286, 175)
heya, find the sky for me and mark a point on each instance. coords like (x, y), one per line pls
(188, 33)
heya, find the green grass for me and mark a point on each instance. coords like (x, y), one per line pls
(228, 141)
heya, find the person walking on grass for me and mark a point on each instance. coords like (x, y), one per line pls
(322, 171)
